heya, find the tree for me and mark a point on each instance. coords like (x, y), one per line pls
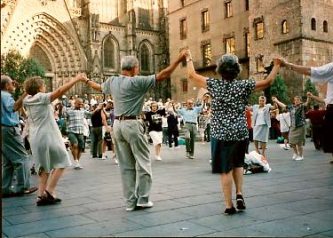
(309, 87)
(279, 89)
(19, 68)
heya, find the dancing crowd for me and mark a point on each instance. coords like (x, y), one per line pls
(48, 124)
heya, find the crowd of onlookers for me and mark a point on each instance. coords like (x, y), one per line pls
(164, 123)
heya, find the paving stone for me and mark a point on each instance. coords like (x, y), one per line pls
(45, 225)
(178, 229)
(295, 199)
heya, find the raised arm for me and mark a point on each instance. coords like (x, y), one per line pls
(19, 102)
(262, 84)
(314, 97)
(64, 88)
(199, 80)
(93, 85)
(297, 68)
(282, 105)
(165, 73)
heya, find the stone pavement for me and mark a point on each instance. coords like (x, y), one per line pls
(293, 200)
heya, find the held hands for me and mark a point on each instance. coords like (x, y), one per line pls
(309, 94)
(278, 61)
(274, 99)
(81, 77)
(182, 54)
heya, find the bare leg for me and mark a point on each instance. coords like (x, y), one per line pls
(57, 173)
(237, 174)
(75, 150)
(294, 148)
(43, 177)
(300, 149)
(226, 181)
(263, 148)
(158, 149)
(256, 146)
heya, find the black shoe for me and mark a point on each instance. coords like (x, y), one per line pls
(230, 211)
(240, 202)
(51, 198)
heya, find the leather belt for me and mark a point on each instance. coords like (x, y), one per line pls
(188, 122)
(121, 118)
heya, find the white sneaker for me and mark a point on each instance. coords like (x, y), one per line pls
(77, 165)
(298, 158)
(104, 157)
(286, 147)
(158, 158)
(116, 161)
(294, 156)
(147, 205)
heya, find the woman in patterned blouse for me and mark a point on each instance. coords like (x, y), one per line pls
(228, 123)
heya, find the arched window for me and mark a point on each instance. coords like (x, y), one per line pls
(109, 54)
(313, 24)
(285, 28)
(325, 26)
(144, 58)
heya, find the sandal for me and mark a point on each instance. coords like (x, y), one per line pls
(240, 202)
(230, 211)
(43, 201)
(51, 198)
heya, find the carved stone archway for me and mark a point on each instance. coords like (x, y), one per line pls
(55, 42)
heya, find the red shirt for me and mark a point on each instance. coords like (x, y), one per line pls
(316, 116)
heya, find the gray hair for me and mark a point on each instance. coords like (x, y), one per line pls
(4, 80)
(228, 66)
(129, 62)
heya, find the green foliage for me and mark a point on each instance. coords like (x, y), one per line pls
(253, 99)
(309, 87)
(279, 90)
(19, 68)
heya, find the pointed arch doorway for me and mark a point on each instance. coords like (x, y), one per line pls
(40, 56)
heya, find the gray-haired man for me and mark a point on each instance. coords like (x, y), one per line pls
(14, 155)
(128, 91)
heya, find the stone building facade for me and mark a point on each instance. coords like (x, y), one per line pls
(71, 36)
(254, 30)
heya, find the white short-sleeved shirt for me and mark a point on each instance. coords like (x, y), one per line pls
(324, 74)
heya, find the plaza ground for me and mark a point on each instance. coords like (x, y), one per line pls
(293, 200)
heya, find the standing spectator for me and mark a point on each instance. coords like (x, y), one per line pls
(248, 115)
(297, 125)
(284, 119)
(128, 91)
(75, 129)
(14, 155)
(262, 123)
(154, 120)
(47, 146)
(316, 117)
(322, 74)
(173, 131)
(190, 116)
(229, 130)
(98, 120)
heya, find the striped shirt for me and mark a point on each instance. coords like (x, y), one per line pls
(75, 120)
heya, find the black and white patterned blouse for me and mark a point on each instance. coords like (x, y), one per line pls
(229, 99)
